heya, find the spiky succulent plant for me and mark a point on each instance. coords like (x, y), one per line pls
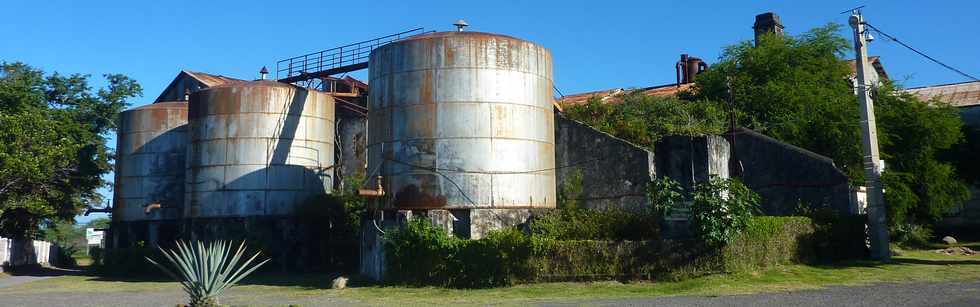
(206, 269)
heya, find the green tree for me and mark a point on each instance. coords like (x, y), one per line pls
(66, 235)
(797, 89)
(53, 148)
(101, 222)
(920, 185)
(794, 89)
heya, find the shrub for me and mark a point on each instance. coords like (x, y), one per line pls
(570, 190)
(98, 254)
(500, 259)
(913, 236)
(722, 209)
(665, 195)
(420, 254)
(332, 223)
(127, 261)
(595, 224)
(770, 240)
(836, 237)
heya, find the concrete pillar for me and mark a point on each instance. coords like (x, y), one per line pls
(482, 221)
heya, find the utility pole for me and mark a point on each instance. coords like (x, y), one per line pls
(872, 173)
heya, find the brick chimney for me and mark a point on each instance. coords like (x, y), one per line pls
(767, 22)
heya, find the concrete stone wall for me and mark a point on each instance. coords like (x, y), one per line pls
(614, 172)
(691, 159)
(970, 115)
(786, 176)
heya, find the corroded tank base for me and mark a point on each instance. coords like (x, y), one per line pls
(146, 233)
(292, 244)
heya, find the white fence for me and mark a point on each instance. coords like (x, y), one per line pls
(24, 252)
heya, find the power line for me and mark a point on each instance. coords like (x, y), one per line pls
(921, 53)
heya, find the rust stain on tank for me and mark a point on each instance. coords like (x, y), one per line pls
(425, 93)
(449, 56)
(411, 196)
(502, 123)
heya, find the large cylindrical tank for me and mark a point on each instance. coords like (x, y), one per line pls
(150, 149)
(463, 120)
(257, 148)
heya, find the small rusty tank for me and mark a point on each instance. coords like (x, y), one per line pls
(151, 146)
(257, 148)
(462, 120)
(148, 193)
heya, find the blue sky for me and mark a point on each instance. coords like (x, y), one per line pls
(595, 44)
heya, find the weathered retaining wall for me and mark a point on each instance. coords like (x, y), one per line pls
(614, 172)
(691, 159)
(786, 176)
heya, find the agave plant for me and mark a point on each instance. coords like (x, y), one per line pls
(206, 270)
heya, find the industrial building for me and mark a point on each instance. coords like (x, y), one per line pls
(459, 127)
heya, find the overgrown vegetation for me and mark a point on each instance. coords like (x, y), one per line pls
(643, 120)
(795, 89)
(575, 243)
(332, 223)
(420, 254)
(721, 209)
(69, 238)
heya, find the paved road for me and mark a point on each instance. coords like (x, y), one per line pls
(921, 294)
(16, 280)
(33, 274)
(929, 294)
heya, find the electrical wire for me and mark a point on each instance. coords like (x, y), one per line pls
(921, 53)
(557, 90)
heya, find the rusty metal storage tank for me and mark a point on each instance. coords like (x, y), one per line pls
(463, 120)
(257, 148)
(150, 153)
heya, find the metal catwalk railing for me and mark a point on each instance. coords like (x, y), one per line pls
(335, 60)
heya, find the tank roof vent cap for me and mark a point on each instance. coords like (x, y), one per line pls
(460, 24)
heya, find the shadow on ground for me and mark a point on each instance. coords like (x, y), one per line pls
(43, 271)
(304, 281)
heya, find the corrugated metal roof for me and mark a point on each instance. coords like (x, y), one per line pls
(615, 95)
(211, 80)
(205, 80)
(962, 94)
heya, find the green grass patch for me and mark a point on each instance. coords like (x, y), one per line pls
(912, 266)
